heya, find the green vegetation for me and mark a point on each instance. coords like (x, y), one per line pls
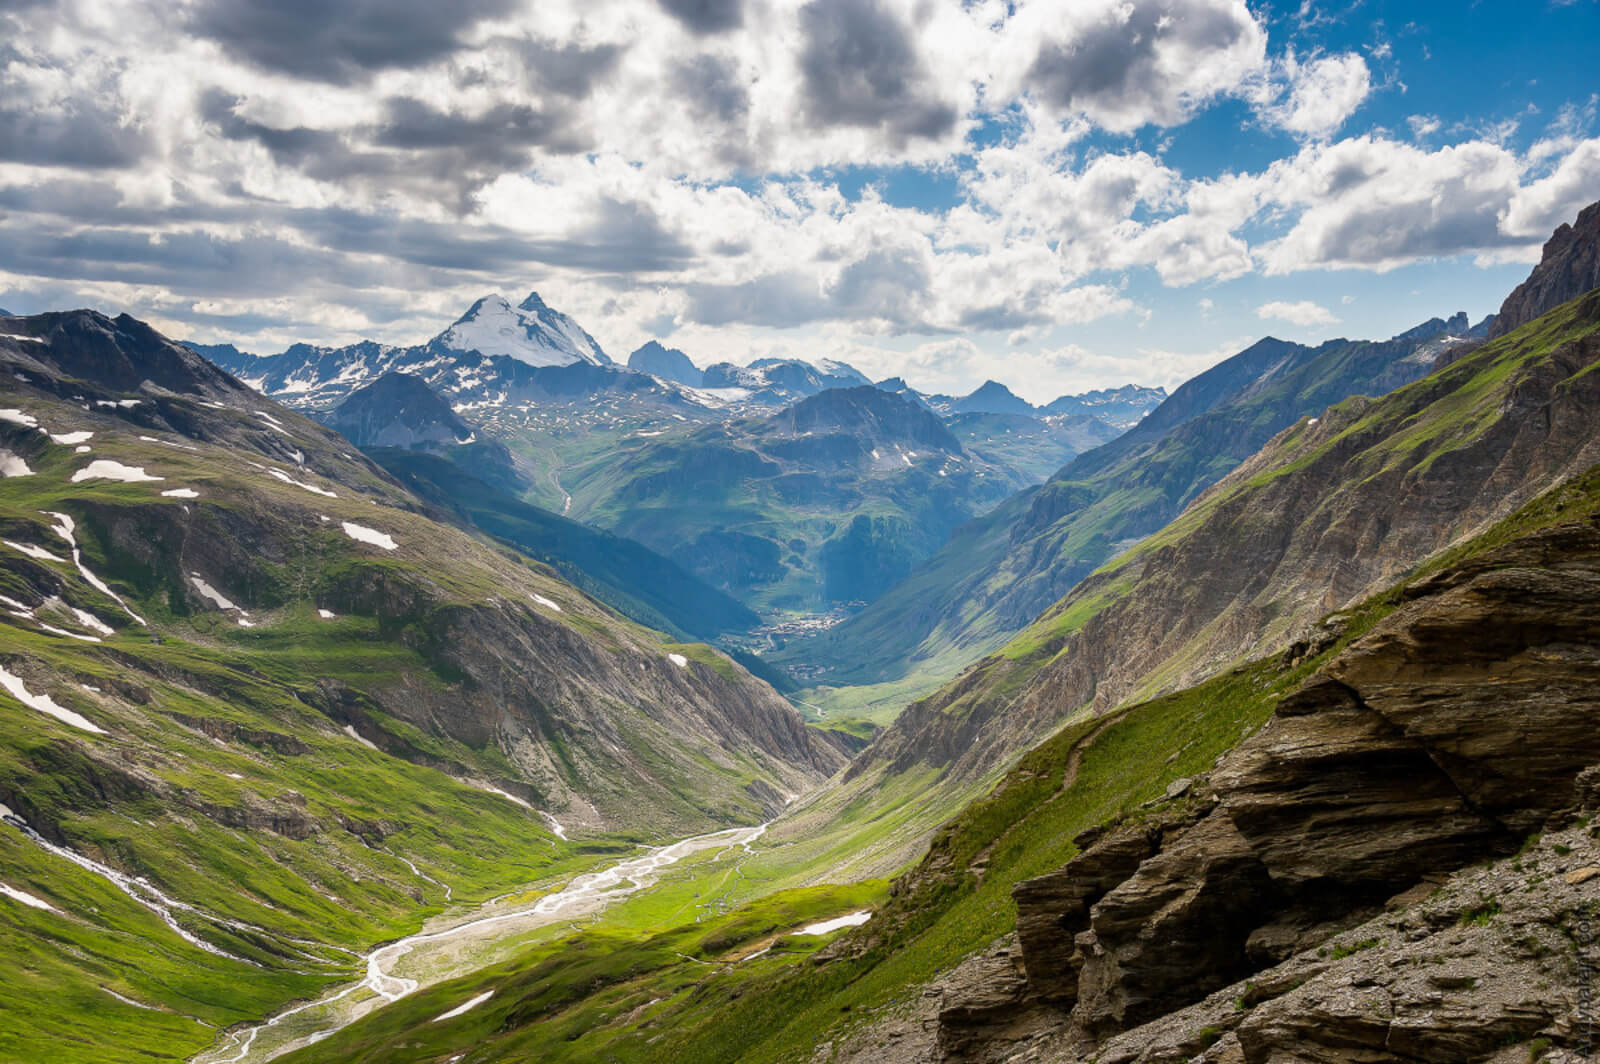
(1341, 952)
(792, 518)
(1089, 773)
(998, 574)
(236, 770)
(625, 575)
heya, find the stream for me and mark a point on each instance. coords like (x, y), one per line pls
(443, 952)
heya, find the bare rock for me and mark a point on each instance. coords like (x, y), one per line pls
(1569, 267)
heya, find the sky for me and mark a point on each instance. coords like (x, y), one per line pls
(1057, 195)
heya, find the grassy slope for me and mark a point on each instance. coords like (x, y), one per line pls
(1454, 405)
(666, 494)
(616, 996)
(214, 749)
(625, 575)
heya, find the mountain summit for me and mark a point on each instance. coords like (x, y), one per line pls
(667, 363)
(530, 332)
(1569, 267)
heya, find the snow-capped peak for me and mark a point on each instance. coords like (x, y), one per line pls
(531, 333)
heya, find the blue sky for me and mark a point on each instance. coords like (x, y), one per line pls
(1056, 195)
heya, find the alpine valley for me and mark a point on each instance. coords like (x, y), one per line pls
(494, 700)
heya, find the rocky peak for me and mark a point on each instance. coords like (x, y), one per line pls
(668, 363)
(874, 416)
(532, 332)
(121, 354)
(398, 410)
(992, 397)
(1569, 267)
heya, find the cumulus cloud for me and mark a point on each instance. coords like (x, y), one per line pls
(339, 42)
(1319, 95)
(861, 68)
(706, 16)
(286, 170)
(1136, 62)
(1379, 204)
(1302, 312)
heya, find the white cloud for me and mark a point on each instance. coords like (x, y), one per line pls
(1302, 312)
(1319, 95)
(653, 167)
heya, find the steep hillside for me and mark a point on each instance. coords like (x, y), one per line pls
(263, 708)
(1345, 884)
(627, 576)
(398, 410)
(1334, 508)
(998, 573)
(828, 501)
(1034, 446)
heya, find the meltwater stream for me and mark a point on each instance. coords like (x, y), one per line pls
(587, 893)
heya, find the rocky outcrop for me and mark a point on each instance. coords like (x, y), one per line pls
(1463, 722)
(1569, 267)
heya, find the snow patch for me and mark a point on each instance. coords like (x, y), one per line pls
(826, 926)
(64, 528)
(180, 493)
(22, 338)
(27, 899)
(221, 601)
(12, 465)
(31, 551)
(287, 479)
(90, 621)
(326, 615)
(541, 600)
(168, 443)
(129, 1001)
(679, 660)
(69, 438)
(82, 448)
(45, 704)
(17, 417)
(363, 534)
(496, 790)
(350, 730)
(459, 1009)
(105, 469)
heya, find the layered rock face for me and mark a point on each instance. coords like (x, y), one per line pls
(1460, 725)
(1569, 267)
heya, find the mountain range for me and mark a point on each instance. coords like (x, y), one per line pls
(1308, 773)
(1000, 571)
(1259, 731)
